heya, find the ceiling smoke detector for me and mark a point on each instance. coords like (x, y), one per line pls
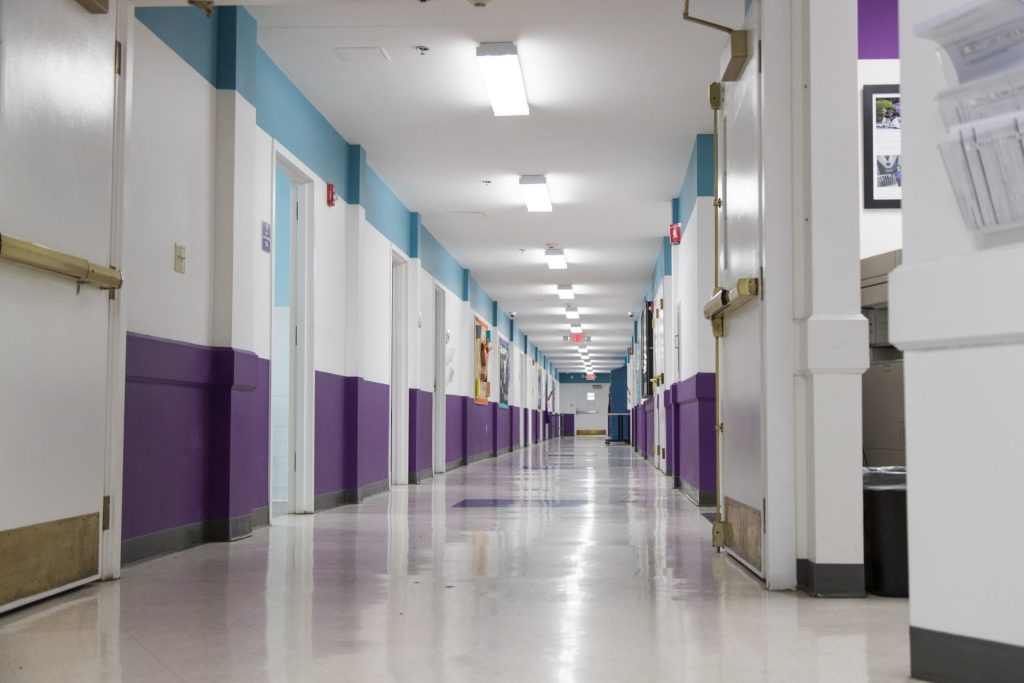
(479, 3)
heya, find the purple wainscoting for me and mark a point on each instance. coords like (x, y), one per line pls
(535, 416)
(671, 461)
(455, 429)
(878, 31)
(649, 427)
(503, 429)
(569, 425)
(694, 416)
(334, 469)
(197, 433)
(515, 414)
(373, 403)
(421, 431)
(479, 429)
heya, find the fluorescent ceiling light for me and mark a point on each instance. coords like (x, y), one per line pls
(535, 193)
(556, 259)
(571, 313)
(576, 329)
(503, 76)
(565, 292)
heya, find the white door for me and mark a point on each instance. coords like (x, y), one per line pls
(742, 376)
(57, 104)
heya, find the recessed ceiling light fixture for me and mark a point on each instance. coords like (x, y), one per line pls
(566, 292)
(572, 313)
(576, 329)
(535, 193)
(555, 259)
(503, 76)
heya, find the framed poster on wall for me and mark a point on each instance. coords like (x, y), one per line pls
(482, 384)
(504, 372)
(883, 161)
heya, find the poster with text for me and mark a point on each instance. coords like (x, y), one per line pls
(504, 372)
(481, 356)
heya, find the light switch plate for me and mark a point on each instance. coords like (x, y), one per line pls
(179, 258)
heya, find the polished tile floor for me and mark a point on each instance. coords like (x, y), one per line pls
(566, 562)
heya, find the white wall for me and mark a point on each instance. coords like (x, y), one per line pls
(574, 398)
(963, 397)
(170, 195)
(693, 280)
(881, 230)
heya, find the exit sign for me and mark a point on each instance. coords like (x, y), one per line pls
(591, 376)
(578, 338)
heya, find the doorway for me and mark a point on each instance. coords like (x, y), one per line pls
(440, 380)
(398, 465)
(291, 385)
(282, 345)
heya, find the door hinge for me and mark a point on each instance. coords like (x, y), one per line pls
(764, 514)
(760, 284)
(296, 335)
(118, 56)
(106, 513)
(295, 461)
(759, 69)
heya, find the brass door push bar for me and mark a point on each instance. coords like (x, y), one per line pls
(728, 300)
(82, 270)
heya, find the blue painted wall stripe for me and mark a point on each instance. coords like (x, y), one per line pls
(699, 180)
(225, 52)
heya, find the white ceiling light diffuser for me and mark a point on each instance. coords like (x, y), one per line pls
(556, 259)
(565, 292)
(571, 313)
(576, 329)
(503, 76)
(535, 193)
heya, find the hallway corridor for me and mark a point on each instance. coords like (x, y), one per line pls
(567, 561)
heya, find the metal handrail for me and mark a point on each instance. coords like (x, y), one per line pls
(82, 270)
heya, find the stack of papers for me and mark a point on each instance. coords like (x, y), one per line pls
(984, 111)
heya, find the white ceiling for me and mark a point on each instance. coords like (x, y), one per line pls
(617, 90)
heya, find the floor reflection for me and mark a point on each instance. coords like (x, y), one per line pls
(577, 562)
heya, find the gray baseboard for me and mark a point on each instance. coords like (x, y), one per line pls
(190, 535)
(949, 658)
(367, 490)
(334, 499)
(421, 476)
(699, 498)
(479, 456)
(830, 580)
(454, 465)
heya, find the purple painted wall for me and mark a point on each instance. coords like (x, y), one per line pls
(479, 428)
(351, 433)
(535, 417)
(694, 415)
(455, 428)
(878, 31)
(516, 417)
(197, 432)
(649, 426)
(569, 424)
(502, 428)
(671, 428)
(335, 423)
(374, 407)
(421, 430)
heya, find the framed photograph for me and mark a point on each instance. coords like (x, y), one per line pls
(883, 163)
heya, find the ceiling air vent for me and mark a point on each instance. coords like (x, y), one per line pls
(362, 55)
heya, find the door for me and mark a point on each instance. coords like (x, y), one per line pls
(57, 130)
(440, 381)
(740, 256)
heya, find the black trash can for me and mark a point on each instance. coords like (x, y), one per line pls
(885, 531)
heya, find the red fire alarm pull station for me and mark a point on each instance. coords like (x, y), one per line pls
(631, 350)
(675, 233)
(330, 194)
